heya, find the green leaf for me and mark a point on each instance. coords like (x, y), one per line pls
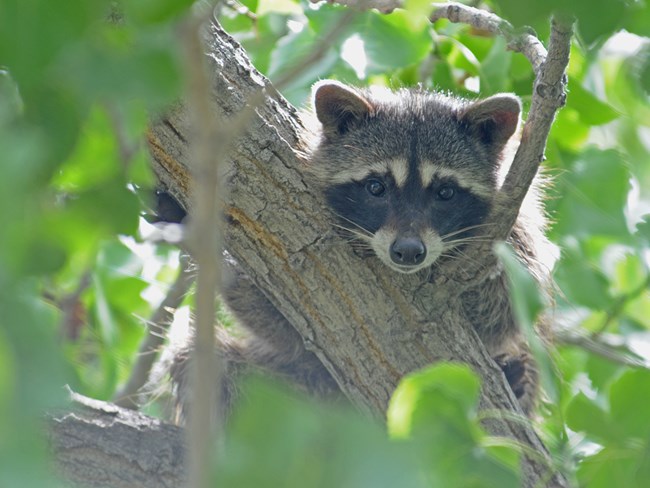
(392, 41)
(291, 53)
(610, 467)
(591, 110)
(277, 440)
(452, 388)
(495, 68)
(568, 130)
(627, 394)
(580, 281)
(637, 18)
(593, 196)
(155, 11)
(584, 415)
(523, 288)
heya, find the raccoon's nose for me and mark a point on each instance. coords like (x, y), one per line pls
(408, 251)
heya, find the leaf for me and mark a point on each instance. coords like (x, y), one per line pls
(610, 467)
(583, 415)
(291, 54)
(594, 195)
(637, 18)
(276, 439)
(155, 11)
(495, 68)
(582, 283)
(590, 109)
(527, 303)
(424, 395)
(568, 130)
(627, 395)
(392, 41)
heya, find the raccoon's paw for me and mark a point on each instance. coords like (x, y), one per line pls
(521, 373)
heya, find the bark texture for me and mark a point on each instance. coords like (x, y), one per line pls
(367, 326)
(100, 445)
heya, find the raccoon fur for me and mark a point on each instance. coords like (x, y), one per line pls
(410, 176)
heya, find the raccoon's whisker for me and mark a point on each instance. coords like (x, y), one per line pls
(352, 236)
(467, 240)
(464, 229)
(364, 230)
(466, 257)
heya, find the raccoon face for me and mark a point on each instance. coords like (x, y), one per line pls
(410, 175)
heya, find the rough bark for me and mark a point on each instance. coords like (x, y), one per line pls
(367, 326)
(100, 445)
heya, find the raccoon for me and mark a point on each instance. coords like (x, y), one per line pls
(410, 176)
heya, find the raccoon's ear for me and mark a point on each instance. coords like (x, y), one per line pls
(337, 106)
(494, 120)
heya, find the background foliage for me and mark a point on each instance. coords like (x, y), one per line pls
(78, 81)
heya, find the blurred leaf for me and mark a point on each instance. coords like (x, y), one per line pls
(145, 11)
(276, 440)
(527, 303)
(31, 383)
(581, 282)
(293, 52)
(495, 68)
(568, 130)
(583, 415)
(450, 384)
(436, 407)
(637, 18)
(594, 195)
(34, 33)
(84, 169)
(627, 394)
(392, 41)
(591, 110)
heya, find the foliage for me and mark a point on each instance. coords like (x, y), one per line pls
(78, 81)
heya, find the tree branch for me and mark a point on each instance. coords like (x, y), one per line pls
(523, 42)
(99, 444)
(549, 94)
(310, 274)
(157, 327)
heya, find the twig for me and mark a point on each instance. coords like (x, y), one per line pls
(384, 6)
(72, 309)
(204, 241)
(126, 149)
(523, 42)
(241, 9)
(604, 345)
(619, 304)
(156, 331)
(548, 96)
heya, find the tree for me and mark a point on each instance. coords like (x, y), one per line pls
(374, 394)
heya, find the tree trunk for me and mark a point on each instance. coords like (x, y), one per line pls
(368, 327)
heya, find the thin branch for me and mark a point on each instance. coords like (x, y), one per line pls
(619, 304)
(384, 6)
(127, 396)
(604, 345)
(72, 317)
(523, 42)
(204, 241)
(548, 96)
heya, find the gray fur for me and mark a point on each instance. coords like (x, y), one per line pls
(360, 130)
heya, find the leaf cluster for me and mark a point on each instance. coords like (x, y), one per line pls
(80, 79)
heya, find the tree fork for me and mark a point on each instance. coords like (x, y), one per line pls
(313, 277)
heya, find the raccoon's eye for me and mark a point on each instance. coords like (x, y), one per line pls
(446, 192)
(375, 187)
